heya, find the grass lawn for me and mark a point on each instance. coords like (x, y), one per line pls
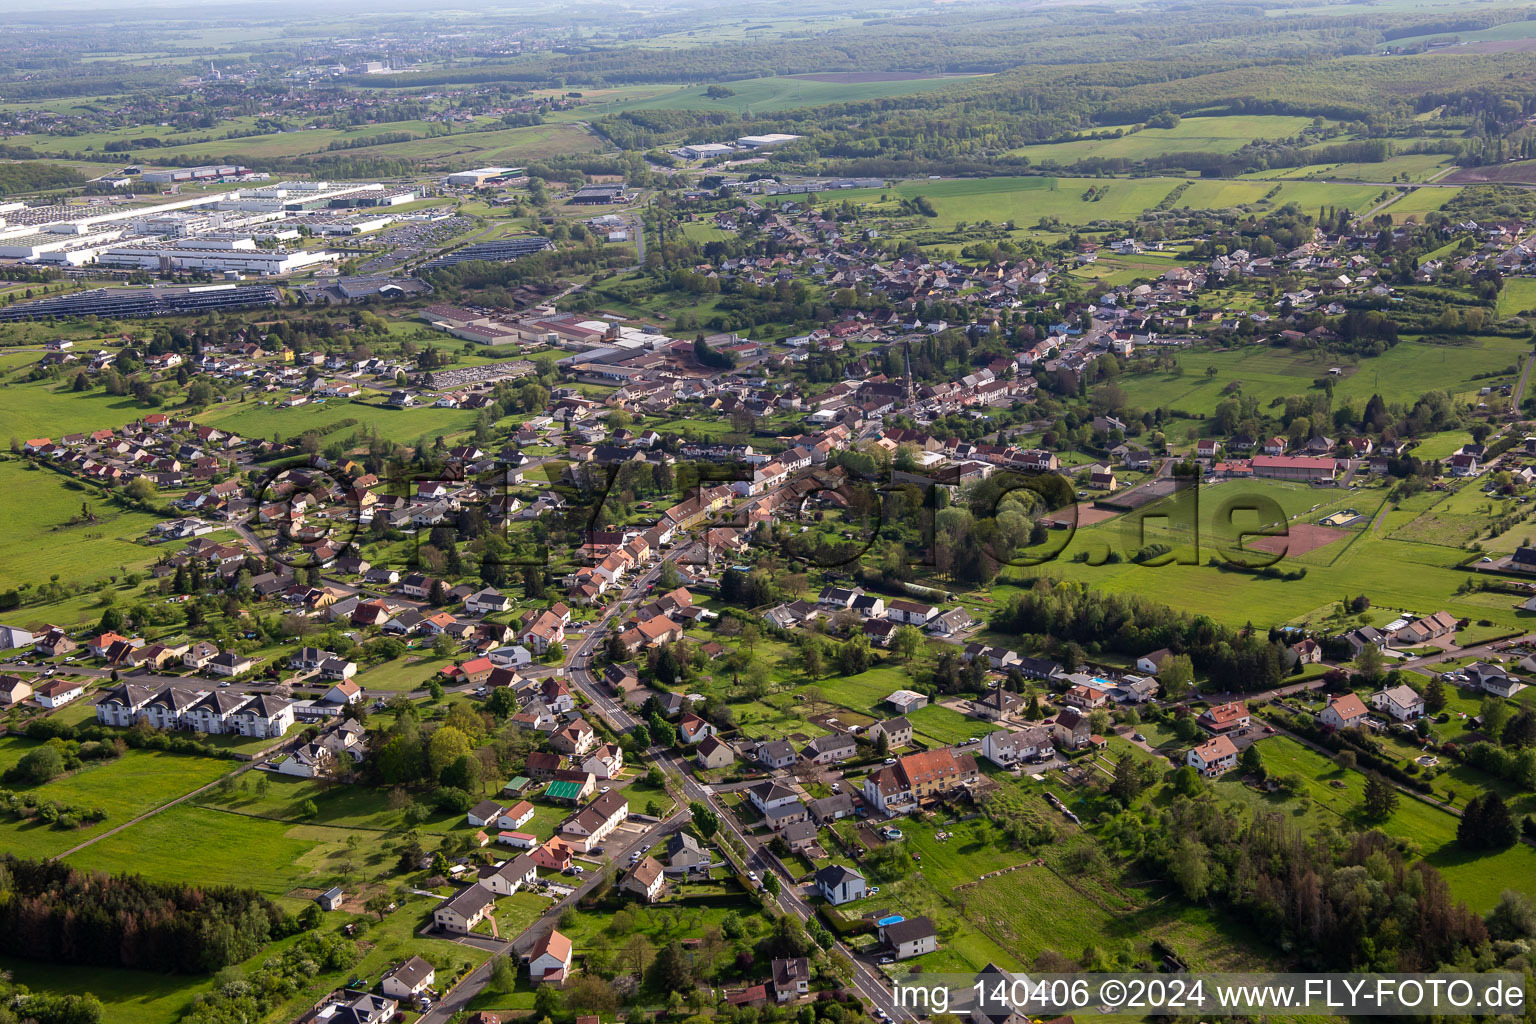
(46, 409)
(201, 845)
(252, 419)
(1476, 878)
(134, 783)
(133, 997)
(409, 672)
(339, 806)
(942, 726)
(39, 542)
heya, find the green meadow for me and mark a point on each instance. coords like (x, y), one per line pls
(257, 419)
(137, 782)
(1190, 135)
(1025, 200)
(767, 95)
(40, 542)
(1402, 374)
(491, 142)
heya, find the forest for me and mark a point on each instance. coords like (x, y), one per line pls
(54, 913)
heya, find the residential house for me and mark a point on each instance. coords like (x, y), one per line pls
(1343, 712)
(897, 731)
(1431, 627)
(765, 796)
(1402, 702)
(775, 754)
(830, 808)
(909, 937)
(587, 829)
(549, 962)
(1006, 749)
(508, 877)
(13, 690)
(468, 908)
(1071, 730)
(646, 879)
(691, 728)
(714, 752)
(790, 978)
(686, 856)
(575, 738)
(409, 979)
(58, 693)
(230, 663)
(838, 884)
(263, 716)
(484, 813)
(1213, 757)
(828, 749)
(916, 778)
(1222, 718)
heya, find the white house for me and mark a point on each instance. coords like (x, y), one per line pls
(838, 884)
(1343, 712)
(909, 937)
(467, 909)
(1401, 702)
(408, 980)
(506, 878)
(550, 959)
(1213, 757)
(1004, 748)
(57, 694)
(483, 813)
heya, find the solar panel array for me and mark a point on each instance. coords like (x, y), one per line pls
(492, 252)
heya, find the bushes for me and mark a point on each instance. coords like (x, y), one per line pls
(137, 738)
(21, 806)
(1517, 766)
(238, 997)
(1367, 751)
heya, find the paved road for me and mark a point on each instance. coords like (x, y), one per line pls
(869, 982)
(1525, 377)
(1426, 663)
(580, 673)
(476, 981)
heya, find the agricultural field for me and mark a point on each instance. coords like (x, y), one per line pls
(769, 95)
(1190, 135)
(486, 144)
(1401, 374)
(1027, 200)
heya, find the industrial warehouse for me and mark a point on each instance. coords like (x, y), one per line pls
(215, 233)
